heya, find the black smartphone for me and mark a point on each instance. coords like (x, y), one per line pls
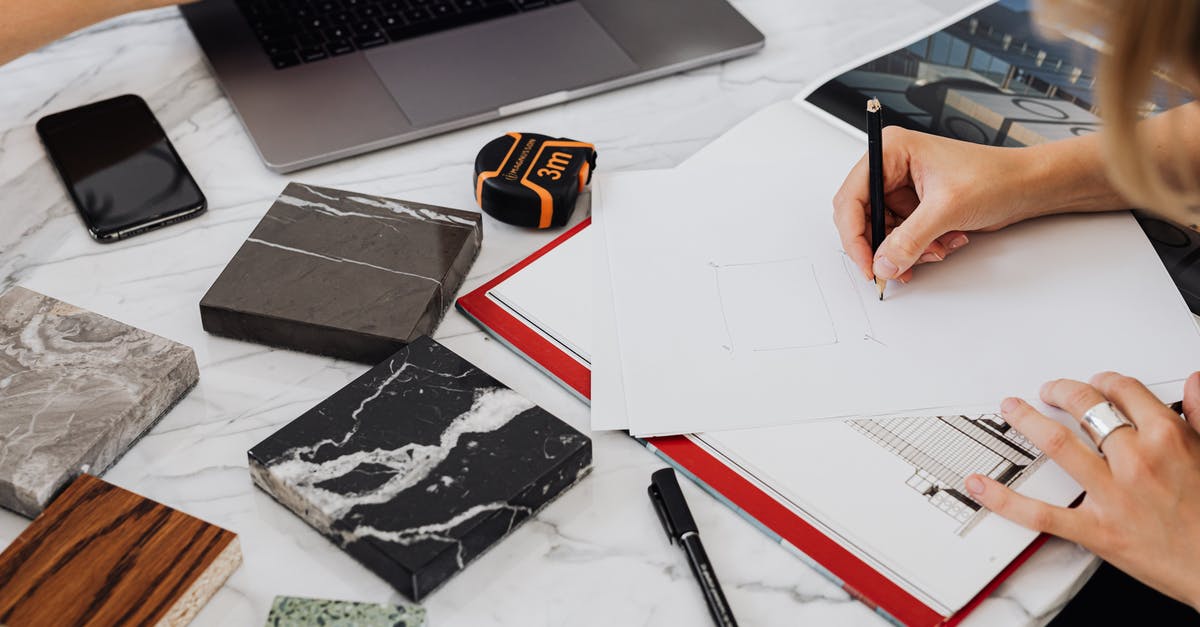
(119, 167)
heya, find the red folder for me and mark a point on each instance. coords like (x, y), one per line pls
(818, 550)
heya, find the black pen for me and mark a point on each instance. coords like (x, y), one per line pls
(681, 527)
(875, 177)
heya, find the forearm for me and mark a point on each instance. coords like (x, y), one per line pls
(31, 24)
(1070, 176)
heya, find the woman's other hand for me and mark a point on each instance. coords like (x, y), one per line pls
(1142, 508)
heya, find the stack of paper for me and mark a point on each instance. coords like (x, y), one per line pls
(733, 305)
(722, 300)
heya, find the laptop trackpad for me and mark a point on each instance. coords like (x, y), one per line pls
(479, 68)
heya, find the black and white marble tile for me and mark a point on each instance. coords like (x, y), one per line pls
(343, 274)
(420, 465)
(77, 389)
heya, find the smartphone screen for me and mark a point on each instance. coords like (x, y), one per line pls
(123, 174)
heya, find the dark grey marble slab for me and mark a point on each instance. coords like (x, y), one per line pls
(76, 391)
(420, 465)
(343, 274)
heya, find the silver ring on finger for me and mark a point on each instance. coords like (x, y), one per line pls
(1101, 420)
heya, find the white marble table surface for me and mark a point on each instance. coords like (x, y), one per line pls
(596, 556)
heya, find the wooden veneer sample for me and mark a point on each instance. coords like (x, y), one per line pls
(102, 555)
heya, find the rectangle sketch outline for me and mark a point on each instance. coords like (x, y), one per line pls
(730, 346)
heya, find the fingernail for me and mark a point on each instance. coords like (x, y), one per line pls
(1009, 405)
(885, 269)
(930, 257)
(958, 242)
(974, 485)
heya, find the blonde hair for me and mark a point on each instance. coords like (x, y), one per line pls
(1143, 39)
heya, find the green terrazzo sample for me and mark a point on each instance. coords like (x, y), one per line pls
(301, 612)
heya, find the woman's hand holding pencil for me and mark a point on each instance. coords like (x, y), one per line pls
(935, 191)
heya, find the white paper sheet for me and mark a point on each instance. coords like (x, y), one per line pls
(930, 543)
(608, 387)
(890, 512)
(698, 258)
(879, 506)
(554, 294)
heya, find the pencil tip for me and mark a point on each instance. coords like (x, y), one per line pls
(880, 283)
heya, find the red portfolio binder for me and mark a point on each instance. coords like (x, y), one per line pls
(818, 550)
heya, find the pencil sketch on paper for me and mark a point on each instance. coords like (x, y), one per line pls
(944, 450)
(773, 306)
(857, 286)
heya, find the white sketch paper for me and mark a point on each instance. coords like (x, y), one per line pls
(541, 294)
(1058, 297)
(890, 492)
(608, 385)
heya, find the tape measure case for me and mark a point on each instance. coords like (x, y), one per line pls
(532, 180)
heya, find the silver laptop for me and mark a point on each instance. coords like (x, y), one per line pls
(319, 80)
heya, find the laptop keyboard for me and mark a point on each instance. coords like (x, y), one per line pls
(304, 31)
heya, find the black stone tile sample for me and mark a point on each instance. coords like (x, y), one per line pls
(343, 274)
(420, 465)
